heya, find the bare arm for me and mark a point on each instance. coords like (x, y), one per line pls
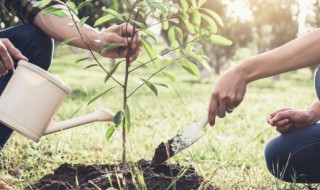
(231, 87)
(299, 53)
(59, 29)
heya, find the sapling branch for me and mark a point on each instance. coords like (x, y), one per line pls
(182, 45)
(154, 74)
(90, 50)
(125, 85)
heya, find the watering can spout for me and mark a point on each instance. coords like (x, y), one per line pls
(100, 114)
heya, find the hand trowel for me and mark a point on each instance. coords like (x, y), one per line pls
(181, 141)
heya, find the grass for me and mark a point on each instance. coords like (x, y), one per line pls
(230, 155)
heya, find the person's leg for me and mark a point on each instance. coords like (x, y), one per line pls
(36, 46)
(295, 157)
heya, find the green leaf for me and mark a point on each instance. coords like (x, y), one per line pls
(163, 9)
(165, 24)
(193, 55)
(67, 41)
(92, 65)
(59, 12)
(220, 40)
(42, 3)
(205, 65)
(72, 7)
(139, 24)
(194, 3)
(82, 59)
(190, 67)
(201, 2)
(179, 34)
(184, 6)
(150, 5)
(151, 86)
(110, 132)
(114, 13)
(172, 37)
(152, 53)
(104, 19)
(209, 30)
(110, 46)
(169, 76)
(211, 23)
(175, 20)
(196, 19)
(111, 71)
(82, 21)
(151, 34)
(99, 95)
(84, 3)
(161, 84)
(128, 119)
(164, 51)
(213, 15)
(118, 118)
(189, 26)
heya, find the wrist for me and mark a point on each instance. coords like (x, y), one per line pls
(314, 112)
(247, 73)
(91, 37)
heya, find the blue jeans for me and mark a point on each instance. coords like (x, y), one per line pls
(295, 157)
(36, 46)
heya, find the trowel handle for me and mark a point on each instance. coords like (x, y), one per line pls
(203, 122)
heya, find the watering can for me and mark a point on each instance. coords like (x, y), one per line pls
(31, 99)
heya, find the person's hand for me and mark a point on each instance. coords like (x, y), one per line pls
(7, 50)
(286, 119)
(122, 34)
(227, 94)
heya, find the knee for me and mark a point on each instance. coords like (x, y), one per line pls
(35, 45)
(317, 82)
(277, 159)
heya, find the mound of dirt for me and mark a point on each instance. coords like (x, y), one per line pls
(138, 175)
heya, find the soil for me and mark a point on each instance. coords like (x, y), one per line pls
(162, 153)
(160, 177)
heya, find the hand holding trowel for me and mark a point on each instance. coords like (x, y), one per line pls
(179, 142)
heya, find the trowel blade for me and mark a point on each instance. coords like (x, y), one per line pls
(178, 143)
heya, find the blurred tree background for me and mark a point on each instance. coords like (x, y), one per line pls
(254, 26)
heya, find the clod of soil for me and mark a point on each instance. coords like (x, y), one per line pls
(140, 175)
(162, 153)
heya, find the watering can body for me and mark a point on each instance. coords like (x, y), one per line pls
(31, 99)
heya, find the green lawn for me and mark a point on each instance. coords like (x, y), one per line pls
(230, 154)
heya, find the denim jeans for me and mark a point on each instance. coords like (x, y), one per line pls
(36, 46)
(295, 157)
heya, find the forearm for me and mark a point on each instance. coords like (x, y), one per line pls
(60, 29)
(299, 53)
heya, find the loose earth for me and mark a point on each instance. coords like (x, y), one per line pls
(139, 175)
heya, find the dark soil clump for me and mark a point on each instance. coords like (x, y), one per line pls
(135, 176)
(162, 153)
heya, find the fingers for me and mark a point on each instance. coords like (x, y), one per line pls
(280, 116)
(14, 52)
(284, 129)
(279, 110)
(6, 51)
(280, 122)
(213, 109)
(135, 55)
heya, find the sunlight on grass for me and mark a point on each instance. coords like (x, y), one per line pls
(230, 155)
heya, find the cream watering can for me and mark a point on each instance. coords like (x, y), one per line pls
(31, 99)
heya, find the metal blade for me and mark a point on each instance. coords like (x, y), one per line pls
(178, 143)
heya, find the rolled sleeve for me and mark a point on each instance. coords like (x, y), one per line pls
(25, 9)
